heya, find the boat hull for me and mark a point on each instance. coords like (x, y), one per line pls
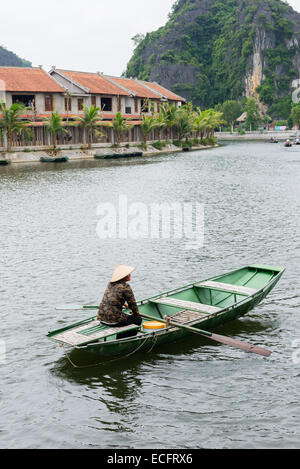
(59, 159)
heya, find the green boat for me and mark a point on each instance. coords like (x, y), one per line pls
(109, 156)
(4, 162)
(204, 305)
(57, 159)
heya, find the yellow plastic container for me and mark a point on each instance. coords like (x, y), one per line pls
(153, 326)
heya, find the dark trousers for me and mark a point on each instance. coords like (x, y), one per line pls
(130, 319)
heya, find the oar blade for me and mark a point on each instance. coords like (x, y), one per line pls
(241, 345)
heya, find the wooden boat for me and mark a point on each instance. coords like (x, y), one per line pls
(57, 159)
(109, 156)
(4, 162)
(205, 305)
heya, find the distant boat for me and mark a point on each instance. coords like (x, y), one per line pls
(50, 159)
(4, 162)
(109, 156)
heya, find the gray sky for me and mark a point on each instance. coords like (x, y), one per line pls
(90, 35)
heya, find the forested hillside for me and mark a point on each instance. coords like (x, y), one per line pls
(9, 59)
(214, 50)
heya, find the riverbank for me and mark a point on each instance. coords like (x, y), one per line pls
(35, 155)
(265, 135)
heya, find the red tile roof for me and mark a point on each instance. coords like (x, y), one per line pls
(30, 80)
(160, 89)
(138, 88)
(97, 84)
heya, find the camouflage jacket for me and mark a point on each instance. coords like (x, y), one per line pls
(115, 296)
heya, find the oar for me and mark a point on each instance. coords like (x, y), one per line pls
(245, 346)
(217, 337)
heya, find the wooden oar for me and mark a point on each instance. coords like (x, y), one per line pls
(245, 346)
(216, 337)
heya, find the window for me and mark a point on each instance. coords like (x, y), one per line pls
(106, 104)
(68, 104)
(26, 99)
(136, 105)
(80, 104)
(94, 101)
(49, 103)
(128, 110)
(145, 105)
(119, 104)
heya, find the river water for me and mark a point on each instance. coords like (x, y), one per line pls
(194, 394)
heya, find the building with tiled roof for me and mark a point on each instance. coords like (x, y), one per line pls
(67, 92)
(33, 87)
(111, 94)
(169, 95)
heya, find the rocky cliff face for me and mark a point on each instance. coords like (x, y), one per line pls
(213, 50)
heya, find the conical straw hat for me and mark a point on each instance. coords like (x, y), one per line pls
(121, 271)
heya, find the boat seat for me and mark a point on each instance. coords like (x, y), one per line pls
(191, 305)
(240, 290)
(91, 332)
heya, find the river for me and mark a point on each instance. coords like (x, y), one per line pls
(194, 394)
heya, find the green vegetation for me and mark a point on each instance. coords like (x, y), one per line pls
(89, 121)
(231, 111)
(120, 126)
(252, 111)
(206, 52)
(9, 59)
(11, 124)
(295, 114)
(148, 124)
(54, 126)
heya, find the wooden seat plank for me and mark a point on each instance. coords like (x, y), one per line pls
(240, 290)
(191, 305)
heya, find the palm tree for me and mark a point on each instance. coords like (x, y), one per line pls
(160, 124)
(207, 121)
(54, 126)
(147, 126)
(119, 125)
(200, 123)
(168, 112)
(89, 121)
(183, 122)
(10, 122)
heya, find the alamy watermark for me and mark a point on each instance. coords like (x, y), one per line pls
(137, 220)
(2, 352)
(296, 353)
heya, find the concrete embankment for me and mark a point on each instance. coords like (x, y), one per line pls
(259, 135)
(34, 155)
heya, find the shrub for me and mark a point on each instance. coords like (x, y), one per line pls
(159, 145)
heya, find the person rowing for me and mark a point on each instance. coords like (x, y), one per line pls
(118, 294)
